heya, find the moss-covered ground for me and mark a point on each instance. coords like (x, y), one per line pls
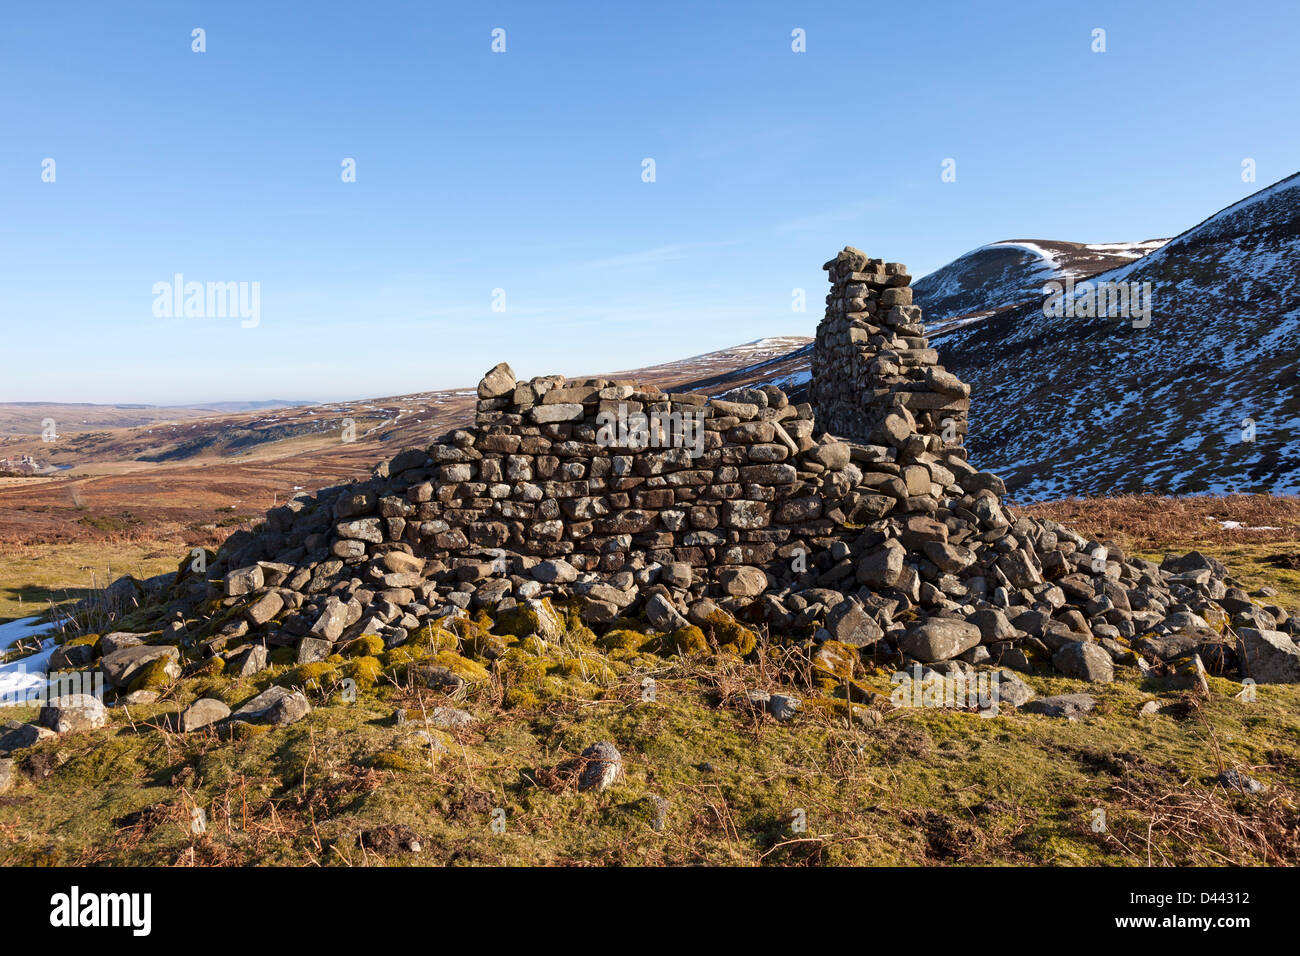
(879, 785)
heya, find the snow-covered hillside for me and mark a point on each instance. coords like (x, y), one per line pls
(1003, 274)
(1086, 405)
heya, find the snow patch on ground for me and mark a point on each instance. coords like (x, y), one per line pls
(18, 678)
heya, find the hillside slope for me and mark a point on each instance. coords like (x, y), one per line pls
(1063, 405)
(1008, 273)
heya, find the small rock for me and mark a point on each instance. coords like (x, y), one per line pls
(1238, 781)
(451, 718)
(138, 698)
(6, 775)
(1062, 705)
(602, 763)
(783, 707)
(75, 712)
(201, 713)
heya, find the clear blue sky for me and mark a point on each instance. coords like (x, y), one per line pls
(523, 171)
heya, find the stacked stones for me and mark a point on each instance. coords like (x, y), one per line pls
(533, 503)
(891, 543)
(872, 359)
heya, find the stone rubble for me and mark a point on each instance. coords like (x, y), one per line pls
(852, 521)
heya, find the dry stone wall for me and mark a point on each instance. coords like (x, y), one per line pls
(671, 508)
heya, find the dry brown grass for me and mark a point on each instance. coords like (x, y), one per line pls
(1146, 522)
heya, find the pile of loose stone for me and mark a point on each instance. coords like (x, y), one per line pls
(890, 542)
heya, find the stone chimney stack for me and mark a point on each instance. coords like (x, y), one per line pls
(875, 378)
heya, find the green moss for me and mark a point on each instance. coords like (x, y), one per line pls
(688, 641)
(463, 667)
(521, 698)
(364, 670)
(588, 667)
(241, 730)
(532, 645)
(623, 639)
(732, 637)
(212, 667)
(434, 638)
(317, 674)
(284, 657)
(518, 666)
(153, 676)
(581, 634)
(367, 645)
(400, 762)
(519, 621)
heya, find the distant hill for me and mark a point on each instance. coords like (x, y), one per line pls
(1008, 273)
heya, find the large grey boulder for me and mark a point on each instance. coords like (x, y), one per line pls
(121, 667)
(243, 581)
(1268, 657)
(1011, 689)
(742, 581)
(660, 612)
(118, 640)
(499, 381)
(276, 705)
(882, 568)
(850, 624)
(1084, 660)
(940, 639)
(17, 736)
(555, 571)
(71, 657)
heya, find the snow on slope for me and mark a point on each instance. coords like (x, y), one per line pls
(1003, 274)
(1092, 406)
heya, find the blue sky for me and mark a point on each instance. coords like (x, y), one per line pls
(522, 171)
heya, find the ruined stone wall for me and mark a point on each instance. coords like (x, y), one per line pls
(872, 363)
(557, 469)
